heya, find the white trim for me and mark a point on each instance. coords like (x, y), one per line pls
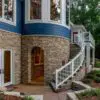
(2, 19)
(11, 75)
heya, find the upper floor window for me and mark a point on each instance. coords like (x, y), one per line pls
(52, 11)
(55, 10)
(8, 11)
(35, 9)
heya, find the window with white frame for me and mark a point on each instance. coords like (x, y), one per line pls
(8, 10)
(35, 9)
(43, 10)
(55, 10)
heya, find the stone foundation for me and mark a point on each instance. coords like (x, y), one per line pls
(56, 52)
(12, 41)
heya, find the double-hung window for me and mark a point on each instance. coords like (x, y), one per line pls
(8, 11)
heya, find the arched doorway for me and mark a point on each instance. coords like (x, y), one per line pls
(37, 66)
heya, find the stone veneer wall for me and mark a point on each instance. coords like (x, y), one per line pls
(12, 41)
(56, 49)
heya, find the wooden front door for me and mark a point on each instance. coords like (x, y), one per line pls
(37, 65)
(7, 66)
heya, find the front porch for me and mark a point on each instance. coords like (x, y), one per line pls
(46, 91)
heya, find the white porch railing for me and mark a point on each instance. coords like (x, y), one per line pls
(67, 71)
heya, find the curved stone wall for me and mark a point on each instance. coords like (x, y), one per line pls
(56, 52)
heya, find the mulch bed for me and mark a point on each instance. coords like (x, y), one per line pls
(95, 85)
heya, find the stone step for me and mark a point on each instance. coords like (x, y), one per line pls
(74, 50)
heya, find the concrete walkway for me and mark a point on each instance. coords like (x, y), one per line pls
(46, 91)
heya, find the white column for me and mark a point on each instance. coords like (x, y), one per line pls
(93, 53)
(45, 10)
(88, 57)
(63, 12)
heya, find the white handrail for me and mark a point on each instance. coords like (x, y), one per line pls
(68, 70)
(62, 74)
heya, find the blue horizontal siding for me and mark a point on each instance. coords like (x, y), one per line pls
(33, 28)
(46, 29)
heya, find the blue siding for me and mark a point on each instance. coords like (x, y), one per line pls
(12, 28)
(34, 28)
(46, 29)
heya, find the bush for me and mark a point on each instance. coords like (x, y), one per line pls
(89, 93)
(98, 75)
(28, 98)
(87, 81)
(97, 79)
(97, 64)
(90, 76)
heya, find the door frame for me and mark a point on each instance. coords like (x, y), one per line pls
(33, 65)
(2, 75)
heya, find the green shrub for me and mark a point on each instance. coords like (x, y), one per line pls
(97, 64)
(89, 93)
(87, 81)
(90, 76)
(1, 95)
(98, 75)
(28, 98)
(97, 79)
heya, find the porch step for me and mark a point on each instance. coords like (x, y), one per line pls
(10, 87)
(61, 88)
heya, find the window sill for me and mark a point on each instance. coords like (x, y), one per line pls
(47, 22)
(8, 22)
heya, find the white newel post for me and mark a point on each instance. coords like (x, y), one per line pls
(88, 57)
(72, 70)
(93, 56)
(56, 79)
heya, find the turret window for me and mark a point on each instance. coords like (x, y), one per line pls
(55, 9)
(51, 11)
(8, 11)
(35, 9)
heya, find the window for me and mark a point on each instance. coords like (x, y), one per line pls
(35, 9)
(0, 8)
(55, 10)
(8, 11)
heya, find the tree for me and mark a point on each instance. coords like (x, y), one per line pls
(87, 12)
